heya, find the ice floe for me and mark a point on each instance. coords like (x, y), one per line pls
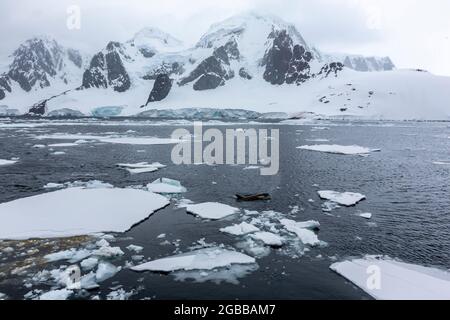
(305, 235)
(366, 215)
(203, 259)
(347, 199)
(4, 162)
(166, 186)
(119, 294)
(142, 167)
(134, 248)
(211, 210)
(89, 263)
(105, 270)
(231, 274)
(62, 294)
(268, 238)
(72, 255)
(441, 163)
(394, 280)
(338, 149)
(240, 229)
(77, 211)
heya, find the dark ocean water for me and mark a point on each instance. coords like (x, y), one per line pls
(408, 195)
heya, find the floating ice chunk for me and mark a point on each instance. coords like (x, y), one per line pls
(2, 296)
(329, 206)
(167, 186)
(105, 271)
(251, 168)
(268, 238)
(306, 236)
(142, 167)
(211, 210)
(77, 211)
(161, 236)
(347, 199)
(72, 255)
(253, 248)
(107, 251)
(89, 263)
(7, 162)
(135, 248)
(398, 280)
(441, 163)
(53, 186)
(240, 229)
(89, 281)
(63, 145)
(366, 215)
(119, 295)
(231, 274)
(311, 225)
(62, 294)
(204, 259)
(140, 140)
(58, 153)
(337, 149)
(39, 146)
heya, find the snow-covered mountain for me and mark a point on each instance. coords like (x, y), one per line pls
(357, 62)
(247, 62)
(40, 63)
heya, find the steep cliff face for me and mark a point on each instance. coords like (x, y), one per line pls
(107, 69)
(40, 63)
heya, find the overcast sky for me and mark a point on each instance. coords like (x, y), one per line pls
(414, 33)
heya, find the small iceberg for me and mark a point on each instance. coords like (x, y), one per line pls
(211, 210)
(77, 211)
(394, 280)
(305, 235)
(338, 149)
(240, 229)
(367, 216)
(268, 238)
(7, 162)
(347, 199)
(142, 167)
(204, 259)
(166, 186)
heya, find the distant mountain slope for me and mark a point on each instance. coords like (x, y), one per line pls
(248, 62)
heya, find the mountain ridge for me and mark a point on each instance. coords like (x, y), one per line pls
(245, 53)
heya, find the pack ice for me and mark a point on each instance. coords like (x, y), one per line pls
(203, 259)
(337, 149)
(347, 199)
(211, 210)
(397, 280)
(77, 211)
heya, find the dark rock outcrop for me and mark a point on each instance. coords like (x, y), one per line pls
(332, 68)
(165, 68)
(5, 86)
(161, 88)
(214, 71)
(243, 73)
(286, 62)
(208, 81)
(39, 109)
(108, 70)
(94, 77)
